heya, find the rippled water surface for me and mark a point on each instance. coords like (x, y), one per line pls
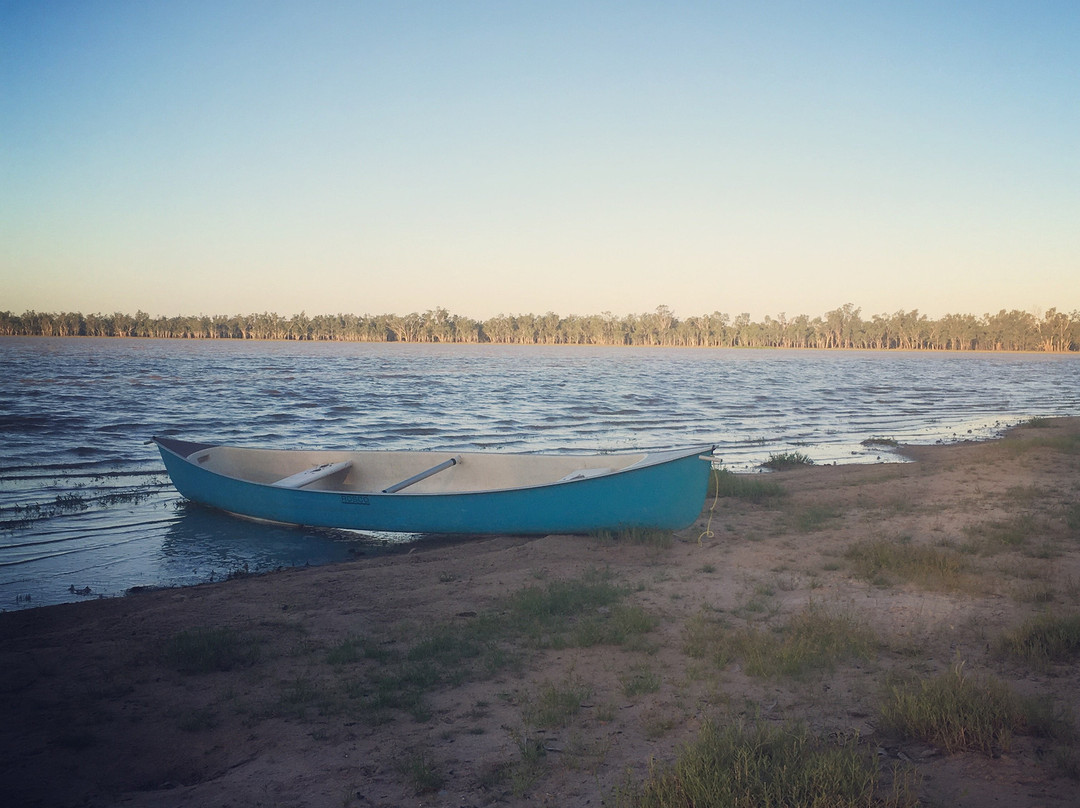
(87, 510)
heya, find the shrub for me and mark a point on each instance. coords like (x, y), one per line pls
(787, 460)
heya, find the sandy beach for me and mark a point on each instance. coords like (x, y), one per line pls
(117, 702)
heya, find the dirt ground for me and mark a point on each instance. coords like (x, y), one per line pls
(97, 711)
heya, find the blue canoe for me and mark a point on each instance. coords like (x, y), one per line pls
(443, 492)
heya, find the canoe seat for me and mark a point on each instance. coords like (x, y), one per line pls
(308, 476)
(583, 474)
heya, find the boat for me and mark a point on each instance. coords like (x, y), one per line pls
(445, 492)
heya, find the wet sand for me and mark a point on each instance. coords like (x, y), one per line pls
(99, 711)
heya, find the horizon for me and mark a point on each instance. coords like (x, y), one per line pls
(859, 311)
(488, 158)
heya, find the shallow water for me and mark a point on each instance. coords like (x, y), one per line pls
(86, 509)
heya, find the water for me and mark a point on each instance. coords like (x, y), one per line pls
(86, 509)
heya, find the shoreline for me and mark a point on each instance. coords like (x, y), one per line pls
(870, 452)
(573, 345)
(100, 714)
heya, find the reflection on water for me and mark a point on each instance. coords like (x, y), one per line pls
(85, 503)
(201, 544)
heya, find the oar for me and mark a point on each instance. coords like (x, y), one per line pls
(423, 475)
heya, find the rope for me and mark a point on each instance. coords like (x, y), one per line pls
(708, 525)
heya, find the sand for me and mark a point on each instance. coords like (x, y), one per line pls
(98, 711)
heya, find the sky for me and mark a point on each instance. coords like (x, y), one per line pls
(240, 156)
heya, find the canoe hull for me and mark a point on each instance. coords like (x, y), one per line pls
(661, 495)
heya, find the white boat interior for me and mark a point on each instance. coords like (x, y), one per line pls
(415, 472)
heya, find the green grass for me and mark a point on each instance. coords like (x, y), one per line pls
(621, 624)
(813, 639)
(884, 563)
(1022, 442)
(527, 771)
(1038, 592)
(204, 650)
(1038, 422)
(959, 713)
(556, 704)
(296, 696)
(1042, 641)
(725, 483)
(649, 537)
(658, 721)
(639, 680)
(551, 615)
(1001, 534)
(400, 688)
(401, 678)
(787, 460)
(422, 773)
(1072, 517)
(739, 766)
(1027, 495)
(574, 613)
(356, 648)
(812, 517)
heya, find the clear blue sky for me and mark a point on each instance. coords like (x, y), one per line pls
(580, 157)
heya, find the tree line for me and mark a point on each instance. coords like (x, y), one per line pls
(844, 327)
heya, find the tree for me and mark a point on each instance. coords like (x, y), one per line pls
(1054, 331)
(739, 329)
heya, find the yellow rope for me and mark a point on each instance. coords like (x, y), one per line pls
(708, 525)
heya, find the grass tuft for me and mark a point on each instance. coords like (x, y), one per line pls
(1002, 534)
(884, 563)
(618, 625)
(639, 680)
(959, 713)
(649, 537)
(205, 650)
(813, 517)
(813, 639)
(556, 704)
(748, 766)
(422, 773)
(1043, 641)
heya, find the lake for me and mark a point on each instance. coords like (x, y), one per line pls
(86, 509)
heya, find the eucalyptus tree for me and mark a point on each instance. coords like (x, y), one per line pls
(1054, 331)
(840, 328)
